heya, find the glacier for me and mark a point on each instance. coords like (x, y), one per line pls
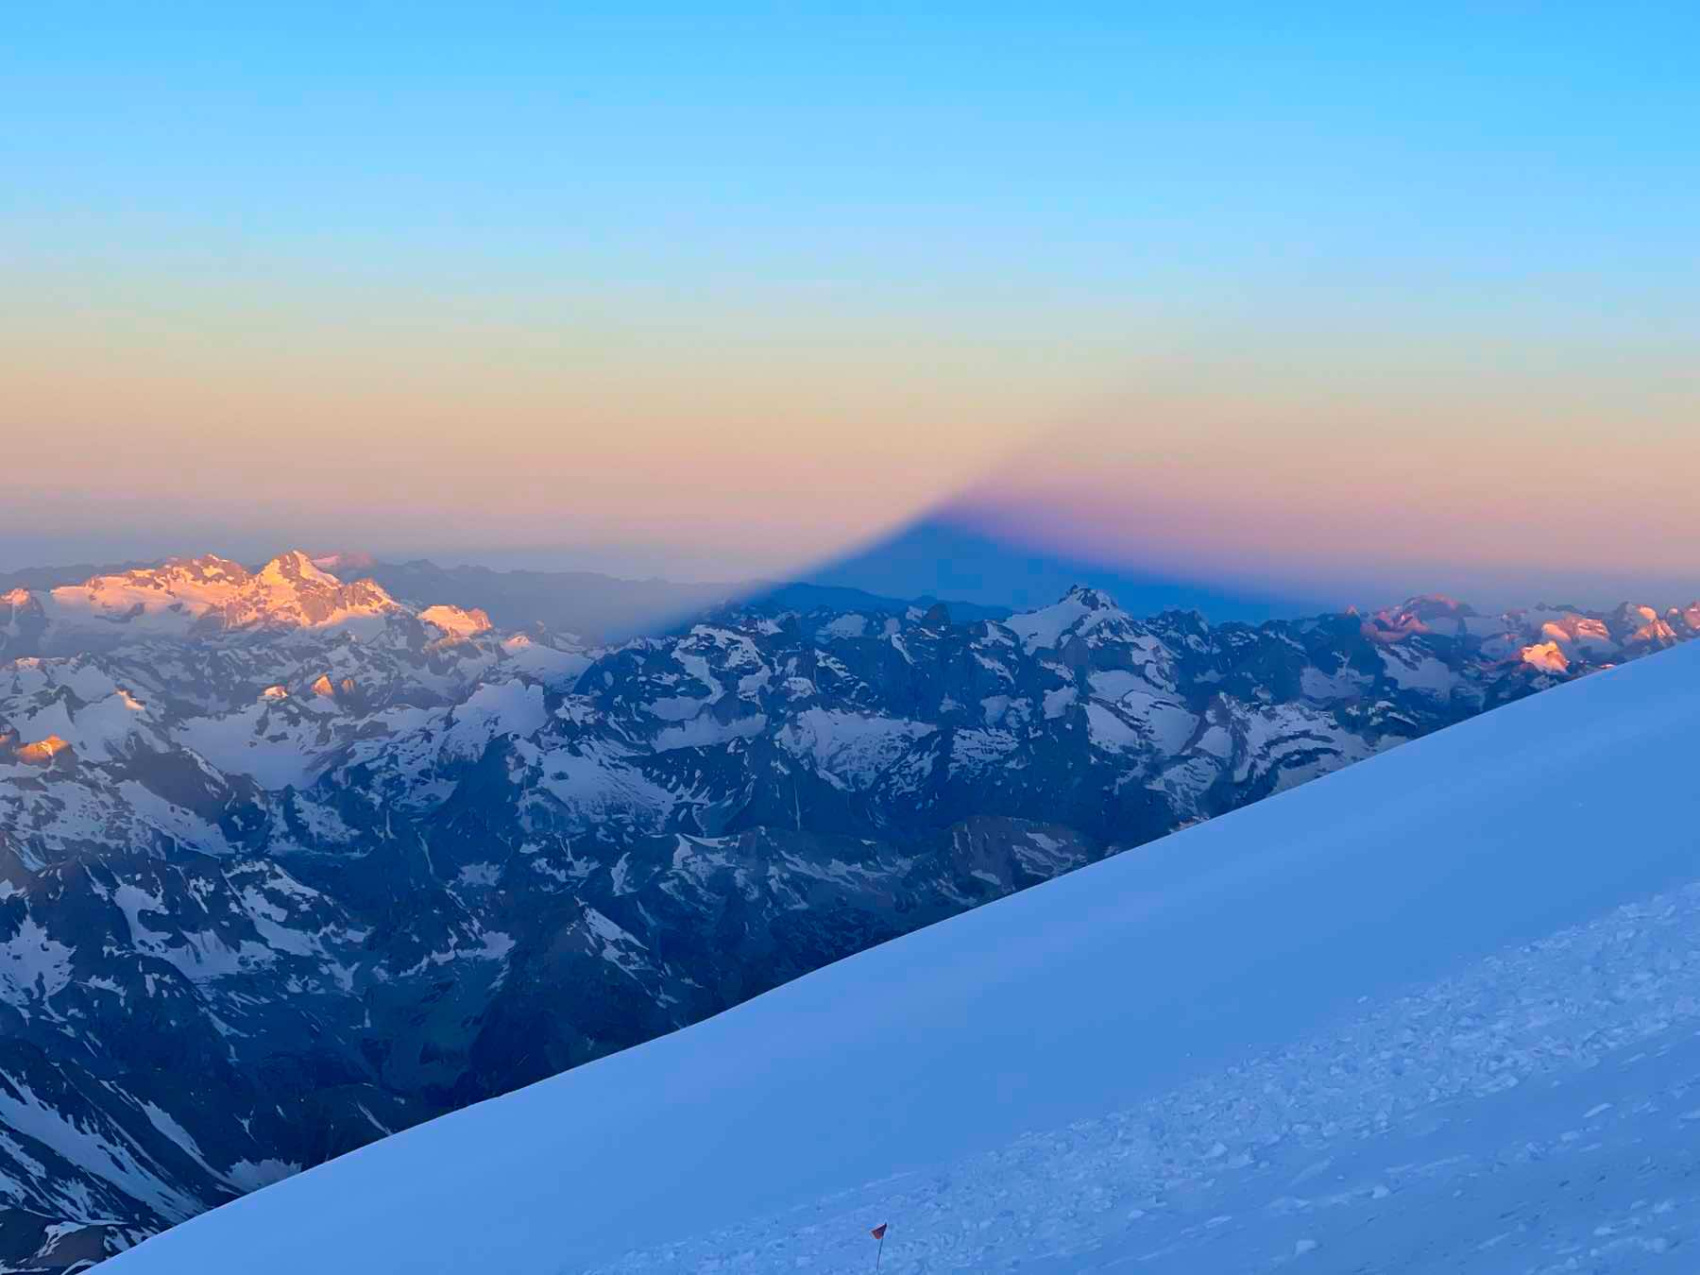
(1439, 1010)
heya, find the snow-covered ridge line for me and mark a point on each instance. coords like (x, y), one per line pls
(210, 593)
(1372, 996)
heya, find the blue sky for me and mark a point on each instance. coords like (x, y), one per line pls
(605, 281)
(1092, 138)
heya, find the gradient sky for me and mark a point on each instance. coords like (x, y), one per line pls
(1313, 296)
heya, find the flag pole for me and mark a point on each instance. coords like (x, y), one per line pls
(879, 1234)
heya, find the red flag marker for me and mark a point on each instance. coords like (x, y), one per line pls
(879, 1231)
(879, 1234)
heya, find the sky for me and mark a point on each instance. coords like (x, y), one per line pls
(1310, 299)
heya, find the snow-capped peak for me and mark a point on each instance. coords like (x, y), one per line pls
(1546, 657)
(295, 568)
(208, 569)
(1642, 626)
(1089, 598)
(457, 622)
(42, 750)
(185, 594)
(290, 590)
(1081, 610)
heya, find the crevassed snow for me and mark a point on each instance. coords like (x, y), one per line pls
(1433, 1012)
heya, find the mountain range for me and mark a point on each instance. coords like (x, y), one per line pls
(587, 605)
(354, 855)
(1433, 1013)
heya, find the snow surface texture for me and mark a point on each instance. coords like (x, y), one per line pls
(1435, 1012)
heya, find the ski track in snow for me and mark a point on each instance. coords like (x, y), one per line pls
(1539, 1114)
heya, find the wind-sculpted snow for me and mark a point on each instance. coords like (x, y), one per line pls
(353, 860)
(1436, 1012)
(1540, 1107)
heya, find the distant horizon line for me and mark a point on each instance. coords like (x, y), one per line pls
(750, 589)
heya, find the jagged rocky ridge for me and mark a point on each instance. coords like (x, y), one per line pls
(287, 863)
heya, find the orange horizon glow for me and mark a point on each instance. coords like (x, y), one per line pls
(723, 444)
(1313, 302)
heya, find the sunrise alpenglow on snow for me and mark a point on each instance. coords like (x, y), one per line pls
(784, 638)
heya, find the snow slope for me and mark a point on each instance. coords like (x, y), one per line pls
(1436, 1011)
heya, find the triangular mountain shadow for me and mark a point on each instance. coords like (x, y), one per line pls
(942, 555)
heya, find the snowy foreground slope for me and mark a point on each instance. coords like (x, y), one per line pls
(1437, 1011)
